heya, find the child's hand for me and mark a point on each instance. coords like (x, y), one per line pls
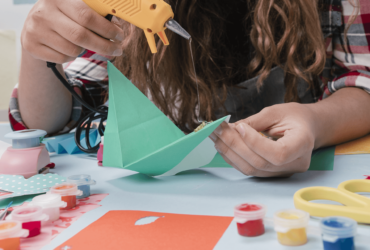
(245, 149)
(59, 30)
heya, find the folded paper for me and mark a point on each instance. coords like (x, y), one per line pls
(118, 230)
(139, 137)
(37, 184)
(65, 144)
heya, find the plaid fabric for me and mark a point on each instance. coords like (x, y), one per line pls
(88, 73)
(350, 69)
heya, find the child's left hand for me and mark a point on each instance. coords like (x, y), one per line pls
(244, 148)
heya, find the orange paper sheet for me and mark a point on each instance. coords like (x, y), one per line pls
(116, 230)
(359, 146)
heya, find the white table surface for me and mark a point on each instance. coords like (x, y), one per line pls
(213, 191)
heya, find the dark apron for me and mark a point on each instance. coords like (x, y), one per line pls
(247, 101)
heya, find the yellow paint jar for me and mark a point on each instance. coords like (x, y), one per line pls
(290, 226)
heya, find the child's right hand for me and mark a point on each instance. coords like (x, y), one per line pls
(59, 30)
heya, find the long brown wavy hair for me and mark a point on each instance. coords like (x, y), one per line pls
(285, 33)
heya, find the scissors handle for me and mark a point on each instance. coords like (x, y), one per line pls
(355, 186)
(355, 206)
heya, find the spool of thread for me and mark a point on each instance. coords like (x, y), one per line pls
(68, 192)
(50, 203)
(83, 182)
(338, 233)
(27, 156)
(249, 219)
(10, 231)
(28, 138)
(31, 217)
(99, 155)
(290, 226)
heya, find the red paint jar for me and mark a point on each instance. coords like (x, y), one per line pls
(68, 191)
(31, 218)
(249, 219)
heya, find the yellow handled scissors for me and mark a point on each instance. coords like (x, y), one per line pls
(355, 206)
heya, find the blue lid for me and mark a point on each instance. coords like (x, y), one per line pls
(342, 227)
(81, 179)
(28, 138)
(26, 134)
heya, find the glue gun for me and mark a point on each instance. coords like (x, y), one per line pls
(152, 16)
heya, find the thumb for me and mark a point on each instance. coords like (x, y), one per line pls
(261, 121)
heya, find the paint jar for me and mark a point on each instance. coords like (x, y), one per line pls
(10, 231)
(338, 233)
(68, 191)
(83, 182)
(290, 226)
(31, 218)
(50, 203)
(249, 219)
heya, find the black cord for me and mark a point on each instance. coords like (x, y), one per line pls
(84, 124)
(101, 112)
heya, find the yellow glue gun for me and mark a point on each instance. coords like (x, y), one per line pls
(152, 16)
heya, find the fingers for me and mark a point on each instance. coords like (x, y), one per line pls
(86, 17)
(45, 53)
(230, 143)
(263, 120)
(238, 163)
(253, 154)
(59, 43)
(85, 38)
(278, 153)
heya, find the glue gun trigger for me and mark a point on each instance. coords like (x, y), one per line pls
(163, 37)
(151, 41)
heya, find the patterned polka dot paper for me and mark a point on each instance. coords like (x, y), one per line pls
(19, 186)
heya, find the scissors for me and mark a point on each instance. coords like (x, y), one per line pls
(355, 206)
(5, 212)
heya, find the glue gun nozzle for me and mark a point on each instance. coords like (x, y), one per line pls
(175, 27)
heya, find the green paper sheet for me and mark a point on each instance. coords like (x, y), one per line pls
(139, 137)
(217, 162)
(322, 159)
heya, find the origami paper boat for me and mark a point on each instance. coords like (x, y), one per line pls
(139, 137)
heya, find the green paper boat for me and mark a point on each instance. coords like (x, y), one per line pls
(139, 137)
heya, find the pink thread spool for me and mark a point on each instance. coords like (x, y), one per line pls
(31, 218)
(27, 156)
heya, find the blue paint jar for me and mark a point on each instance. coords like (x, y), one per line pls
(83, 182)
(338, 233)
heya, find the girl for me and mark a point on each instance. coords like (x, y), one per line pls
(265, 62)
